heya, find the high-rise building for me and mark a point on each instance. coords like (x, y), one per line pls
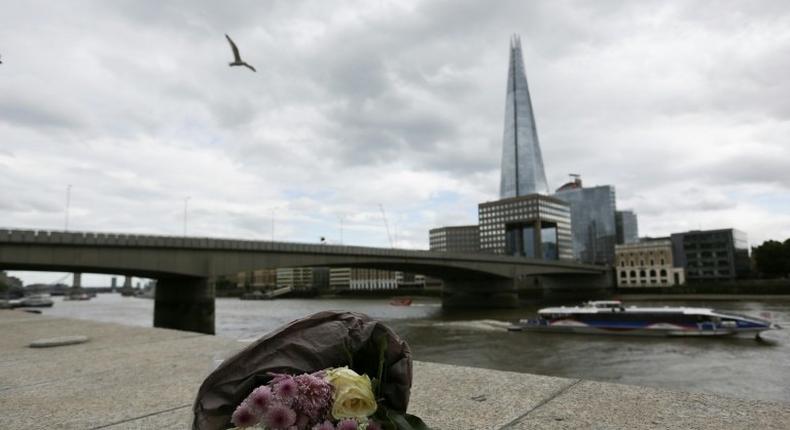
(592, 220)
(462, 238)
(522, 162)
(627, 227)
(712, 255)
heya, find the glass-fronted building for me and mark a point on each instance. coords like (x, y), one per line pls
(712, 255)
(593, 220)
(522, 163)
(533, 226)
(462, 238)
(627, 227)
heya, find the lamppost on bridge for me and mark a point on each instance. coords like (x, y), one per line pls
(341, 217)
(186, 203)
(68, 203)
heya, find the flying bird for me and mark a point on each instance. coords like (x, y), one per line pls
(236, 57)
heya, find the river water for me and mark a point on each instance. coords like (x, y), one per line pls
(737, 367)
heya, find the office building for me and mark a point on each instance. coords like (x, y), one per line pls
(627, 227)
(522, 163)
(464, 238)
(533, 226)
(712, 255)
(648, 263)
(593, 220)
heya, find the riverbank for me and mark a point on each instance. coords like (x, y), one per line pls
(135, 377)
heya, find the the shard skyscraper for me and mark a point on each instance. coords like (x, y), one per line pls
(522, 163)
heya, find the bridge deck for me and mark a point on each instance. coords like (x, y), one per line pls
(139, 378)
(43, 237)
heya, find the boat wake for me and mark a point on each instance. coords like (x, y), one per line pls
(476, 325)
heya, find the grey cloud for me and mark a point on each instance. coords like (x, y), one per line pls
(44, 114)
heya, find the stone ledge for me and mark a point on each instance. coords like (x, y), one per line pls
(139, 378)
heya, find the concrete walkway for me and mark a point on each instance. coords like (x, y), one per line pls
(141, 378)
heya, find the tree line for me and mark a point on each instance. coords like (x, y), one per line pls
(772, 259)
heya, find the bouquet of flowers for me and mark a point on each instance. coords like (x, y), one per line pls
(328, 371)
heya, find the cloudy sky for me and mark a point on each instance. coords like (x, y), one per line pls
(361, 106)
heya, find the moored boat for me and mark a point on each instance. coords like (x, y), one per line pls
(401, 301)
(611, 317)
(36, 301)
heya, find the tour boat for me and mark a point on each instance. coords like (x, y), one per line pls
(611, 317)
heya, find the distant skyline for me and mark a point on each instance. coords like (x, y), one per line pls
(680, 105)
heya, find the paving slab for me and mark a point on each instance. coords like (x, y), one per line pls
(76, 363)
(19, 332)
(177, 419)
(601, 405)
(463, 398)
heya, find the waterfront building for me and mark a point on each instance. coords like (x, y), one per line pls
(263, 279)
(463, 238)
(534, 226)
(712, 255)
(346, 278)
(297, 278)
(593, 220)
(363, 279)
(648, 263)
(522, 163)
(627, 227)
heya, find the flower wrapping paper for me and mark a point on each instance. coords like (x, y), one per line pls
(320, 341)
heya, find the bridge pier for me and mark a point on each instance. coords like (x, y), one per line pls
(183, 303)
(479, 293)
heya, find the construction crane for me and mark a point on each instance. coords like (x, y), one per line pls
(386, 225)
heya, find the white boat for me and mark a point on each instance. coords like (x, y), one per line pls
(611, 317)
(36, 301)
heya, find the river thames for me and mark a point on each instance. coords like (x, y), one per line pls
(737, 367)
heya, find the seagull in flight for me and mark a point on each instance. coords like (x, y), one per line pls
(236, 57)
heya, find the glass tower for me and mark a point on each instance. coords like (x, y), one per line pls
(522, 163)
(593, 218)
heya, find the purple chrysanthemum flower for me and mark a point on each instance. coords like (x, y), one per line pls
(347, 424)
(286, 388)
(373, 425)
(243, 416)
(279, 416)
(260, 399)
(314, 397)
(326, 425)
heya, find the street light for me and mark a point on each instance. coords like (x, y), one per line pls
(186, 203)
(340, 217)
(68, 203)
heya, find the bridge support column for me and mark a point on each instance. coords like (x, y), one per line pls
(479, 293)
(184, 304)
